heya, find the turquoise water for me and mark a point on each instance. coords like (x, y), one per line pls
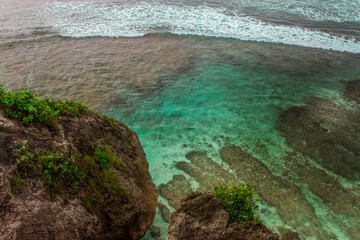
(205, 75)
(221, 102)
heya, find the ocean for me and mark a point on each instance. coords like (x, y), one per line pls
(219, 92)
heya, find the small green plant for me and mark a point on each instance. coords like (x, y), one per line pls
(101, 157)
(91, 178)
(239, 201)
(29, 108)
(58, 171)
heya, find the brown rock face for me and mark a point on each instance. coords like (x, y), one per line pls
(200, 216)
(30, 215)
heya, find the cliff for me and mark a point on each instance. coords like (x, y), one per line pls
(82, 177)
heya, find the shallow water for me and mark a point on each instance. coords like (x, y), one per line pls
(221, 102)
(205, 77)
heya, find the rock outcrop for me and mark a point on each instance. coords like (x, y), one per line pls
(32, 214)
(200, 216)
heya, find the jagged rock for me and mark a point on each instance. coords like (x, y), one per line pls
(31, 215)
(200, 217)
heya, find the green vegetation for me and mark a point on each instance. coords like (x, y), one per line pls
(17, 184)
(239, 201)
(61, 173)
(29, 108)
(91, 178)
(110, 121)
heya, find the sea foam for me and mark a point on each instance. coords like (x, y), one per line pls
(75, 19)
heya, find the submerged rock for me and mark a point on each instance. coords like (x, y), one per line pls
(291, 205)
(352, 91)
(205, 171)
(28, 211)
(175, 190)
(325, 186)
(201, 217)
(327, 133)
(165, 212)
(155, 232)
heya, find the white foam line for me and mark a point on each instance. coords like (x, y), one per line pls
(318, 10)
(76, 19)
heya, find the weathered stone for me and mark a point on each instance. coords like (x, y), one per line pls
(31, 216)
(201, 217)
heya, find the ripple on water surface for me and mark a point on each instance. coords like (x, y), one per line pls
(206, 109)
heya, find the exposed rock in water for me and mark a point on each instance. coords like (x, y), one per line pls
(165, 212)
(291, 205)
(327, 133)
(32, 214)
(201, 217)
(175, 190)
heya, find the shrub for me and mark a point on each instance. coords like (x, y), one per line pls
(239, 201)
(29, 108)
(101, 157)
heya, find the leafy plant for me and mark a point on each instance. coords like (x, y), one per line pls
(91, 178)
(59, 172)
(101, 157)
(29, 108)
(239, 201)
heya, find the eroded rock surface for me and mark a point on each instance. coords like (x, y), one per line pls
(200, 217)
(31, 216)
